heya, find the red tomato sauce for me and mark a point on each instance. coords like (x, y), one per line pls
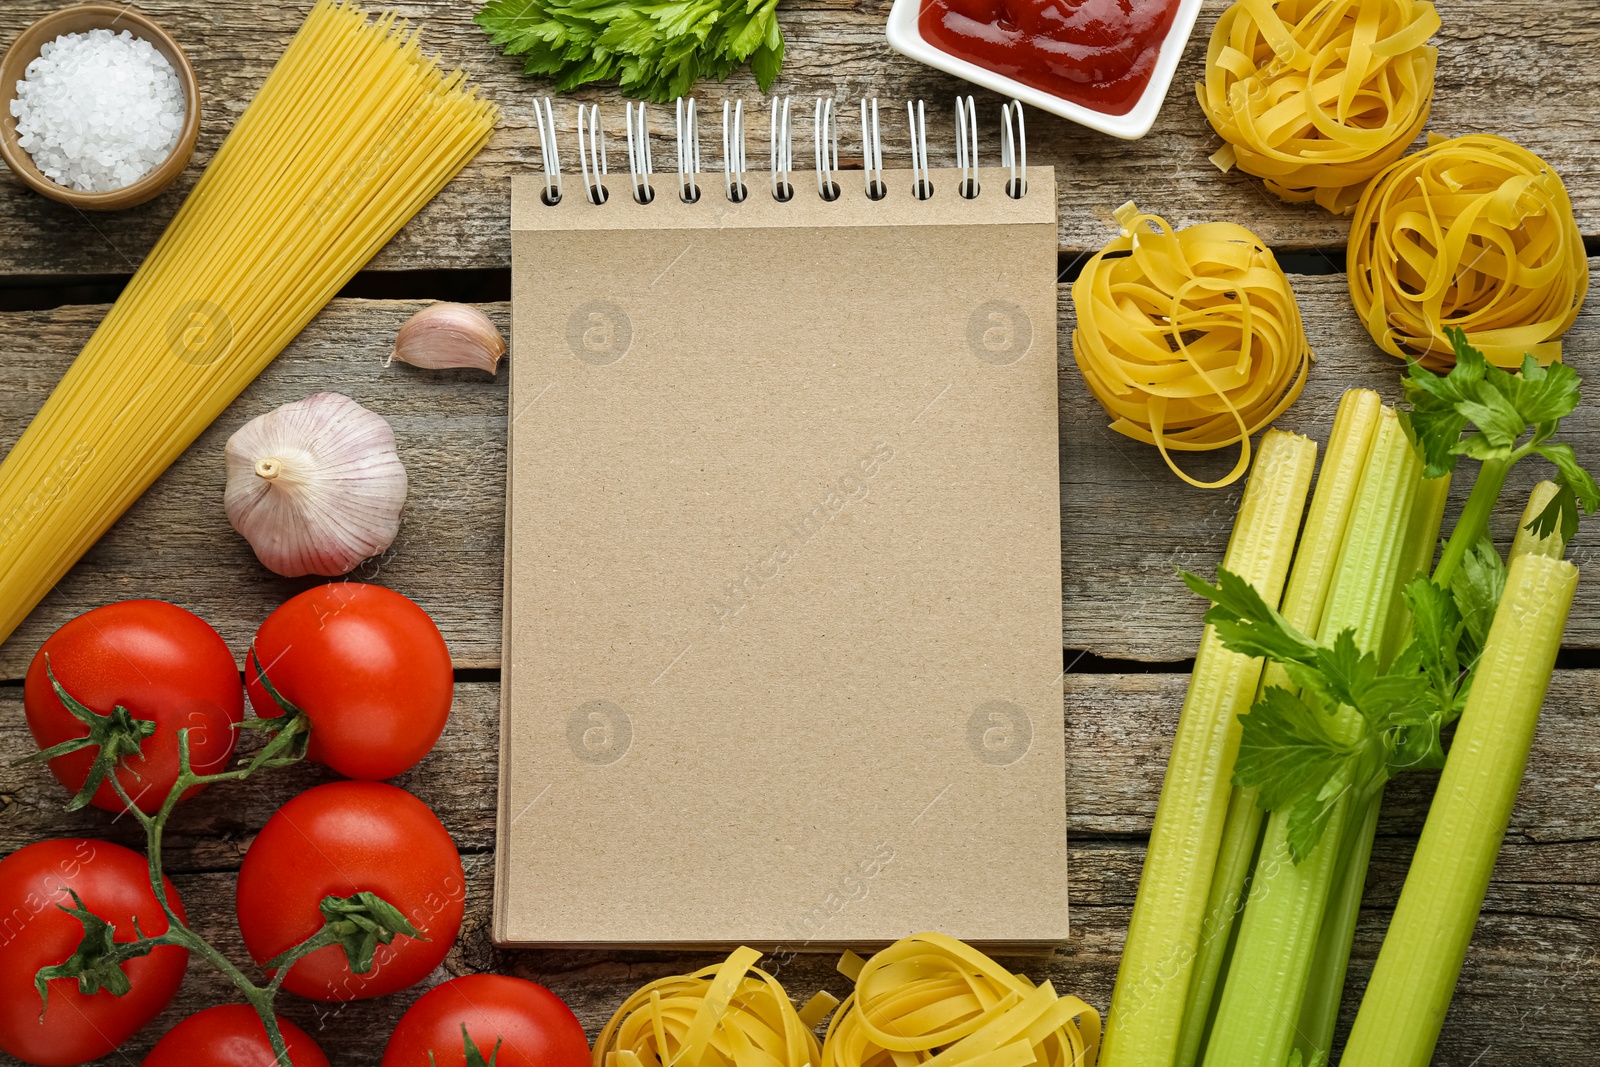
(1098, 53)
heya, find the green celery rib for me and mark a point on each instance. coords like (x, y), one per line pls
(1404, 1005)
(1266, 979)
(1319, 1011)
(1164, 931)
(1526, 541)
(1422, 541)
(1349, 445)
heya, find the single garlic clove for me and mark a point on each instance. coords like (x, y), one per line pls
(315, 486)
(448, 335)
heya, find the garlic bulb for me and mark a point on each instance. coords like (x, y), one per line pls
(448, 335)
(315, 486)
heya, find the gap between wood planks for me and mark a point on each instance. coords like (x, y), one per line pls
(483, 285)
(1074, 661)
(45, 293)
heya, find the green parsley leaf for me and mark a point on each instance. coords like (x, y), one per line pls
(655, 51)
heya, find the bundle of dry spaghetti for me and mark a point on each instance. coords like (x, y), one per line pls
(730, 1015)
(1317, 96)
(1190, 340)
(1475, 233)
(933, 998)
(352, 133)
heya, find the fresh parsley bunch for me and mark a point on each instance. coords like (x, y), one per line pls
(1286, 751)
(656, 51)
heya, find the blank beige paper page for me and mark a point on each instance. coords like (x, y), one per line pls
(783, 632)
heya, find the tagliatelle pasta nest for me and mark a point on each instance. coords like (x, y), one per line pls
(731, 1015)
(1191, 340)
(1475, 233)
(1317, 96)
(931, 997)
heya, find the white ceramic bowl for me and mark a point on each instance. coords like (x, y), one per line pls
(906, 38)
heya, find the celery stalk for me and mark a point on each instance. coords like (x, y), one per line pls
(1164, 931)
(1526, 540)
(1404, 1005)
(1266, 980)
(1349, 446)
(1319, 1010)
(1422, 541)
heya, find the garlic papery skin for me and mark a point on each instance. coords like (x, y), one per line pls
(315, 486)
(444, 335)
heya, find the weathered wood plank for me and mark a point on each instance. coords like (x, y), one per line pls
(1526, 995)
(1127, 523)
(1119, 728)
(1504, 67)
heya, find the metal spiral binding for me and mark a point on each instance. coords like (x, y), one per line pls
(967, 147)
(827, 150)
(545, 116)
(593, 152)
(872, 152)
(921, 183)
(592, 165)
(782, 151)
(639, 165)
(688, 152)
(1014, 150)
(733, 161)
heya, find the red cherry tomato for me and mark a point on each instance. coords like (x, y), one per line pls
(370, 669)
(113, 883)
(164, 665)
(337, 840)
(533, 1026)
(231, 1036)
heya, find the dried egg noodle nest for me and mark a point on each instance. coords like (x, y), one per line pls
(729, 1015)
(1190, 340)
(1475, 233)
(1317, 96)
(932, 998)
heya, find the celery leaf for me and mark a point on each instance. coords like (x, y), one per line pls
(1308, 816)
(1577, 489)
(1284, 750)
(1542, 394)
(1476, 589)
(1248, 624)
(1513, 415)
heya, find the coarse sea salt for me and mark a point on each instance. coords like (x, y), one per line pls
(97, 111)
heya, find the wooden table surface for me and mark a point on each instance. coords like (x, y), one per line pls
(1530, 992)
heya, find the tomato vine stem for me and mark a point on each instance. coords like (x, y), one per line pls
(98, 958)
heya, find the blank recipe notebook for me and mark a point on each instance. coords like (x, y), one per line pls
(783, 587)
